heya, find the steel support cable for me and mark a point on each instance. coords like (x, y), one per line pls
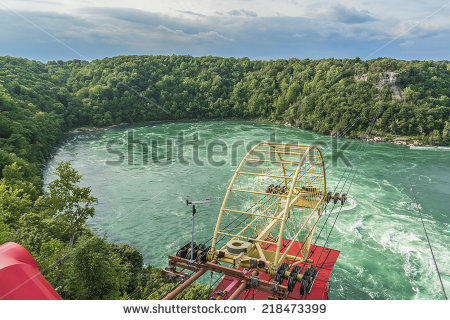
(315, 224)
(172, 289)
(337, 216)
(142, 288)
(317, 221)
(331, 229)
(369, 129)
(324, 209)
(351, 182)
(210, 286)
(346, 169)
(423, 222)
(153, 291)
(310, 254)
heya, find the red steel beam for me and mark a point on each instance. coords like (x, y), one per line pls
(242, 287)
(186, 284)
(263, 285)
(238, 291)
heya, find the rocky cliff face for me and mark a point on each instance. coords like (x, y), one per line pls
(387, 77)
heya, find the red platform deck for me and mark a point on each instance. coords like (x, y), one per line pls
(319, 290)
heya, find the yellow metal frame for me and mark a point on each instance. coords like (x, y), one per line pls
(297, 191)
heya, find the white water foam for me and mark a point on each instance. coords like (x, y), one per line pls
(430, 148)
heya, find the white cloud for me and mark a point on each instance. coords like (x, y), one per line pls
(203, 35)
(251, 28)
(210, 36)
(350, 15)
(242, 12)
(166, 29)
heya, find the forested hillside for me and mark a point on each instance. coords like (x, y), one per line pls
(38, 102)
(322, 95)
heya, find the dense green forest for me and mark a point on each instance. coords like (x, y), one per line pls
(321, 95)
(41, 101)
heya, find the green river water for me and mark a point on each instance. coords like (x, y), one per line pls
(384, 254)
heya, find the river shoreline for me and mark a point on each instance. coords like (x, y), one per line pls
(391, 139)
(406, 141)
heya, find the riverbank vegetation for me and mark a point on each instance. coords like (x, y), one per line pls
(40, 101)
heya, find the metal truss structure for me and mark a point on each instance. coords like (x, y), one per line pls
(277, 192)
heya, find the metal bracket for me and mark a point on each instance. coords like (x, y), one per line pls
(175, 274)
(254, 281)
(237, 260)
(274, 287)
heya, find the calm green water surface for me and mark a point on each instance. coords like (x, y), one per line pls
(384, 254)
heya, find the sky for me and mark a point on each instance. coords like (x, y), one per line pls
(259, 29)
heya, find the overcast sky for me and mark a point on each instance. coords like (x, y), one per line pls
(258, 29)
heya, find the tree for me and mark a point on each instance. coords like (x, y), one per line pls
(5, 233)
(132, 259)
(293, 92)
(73, 204)
(48, 257)
(13, 204)
(13, 175)
(92, 271)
